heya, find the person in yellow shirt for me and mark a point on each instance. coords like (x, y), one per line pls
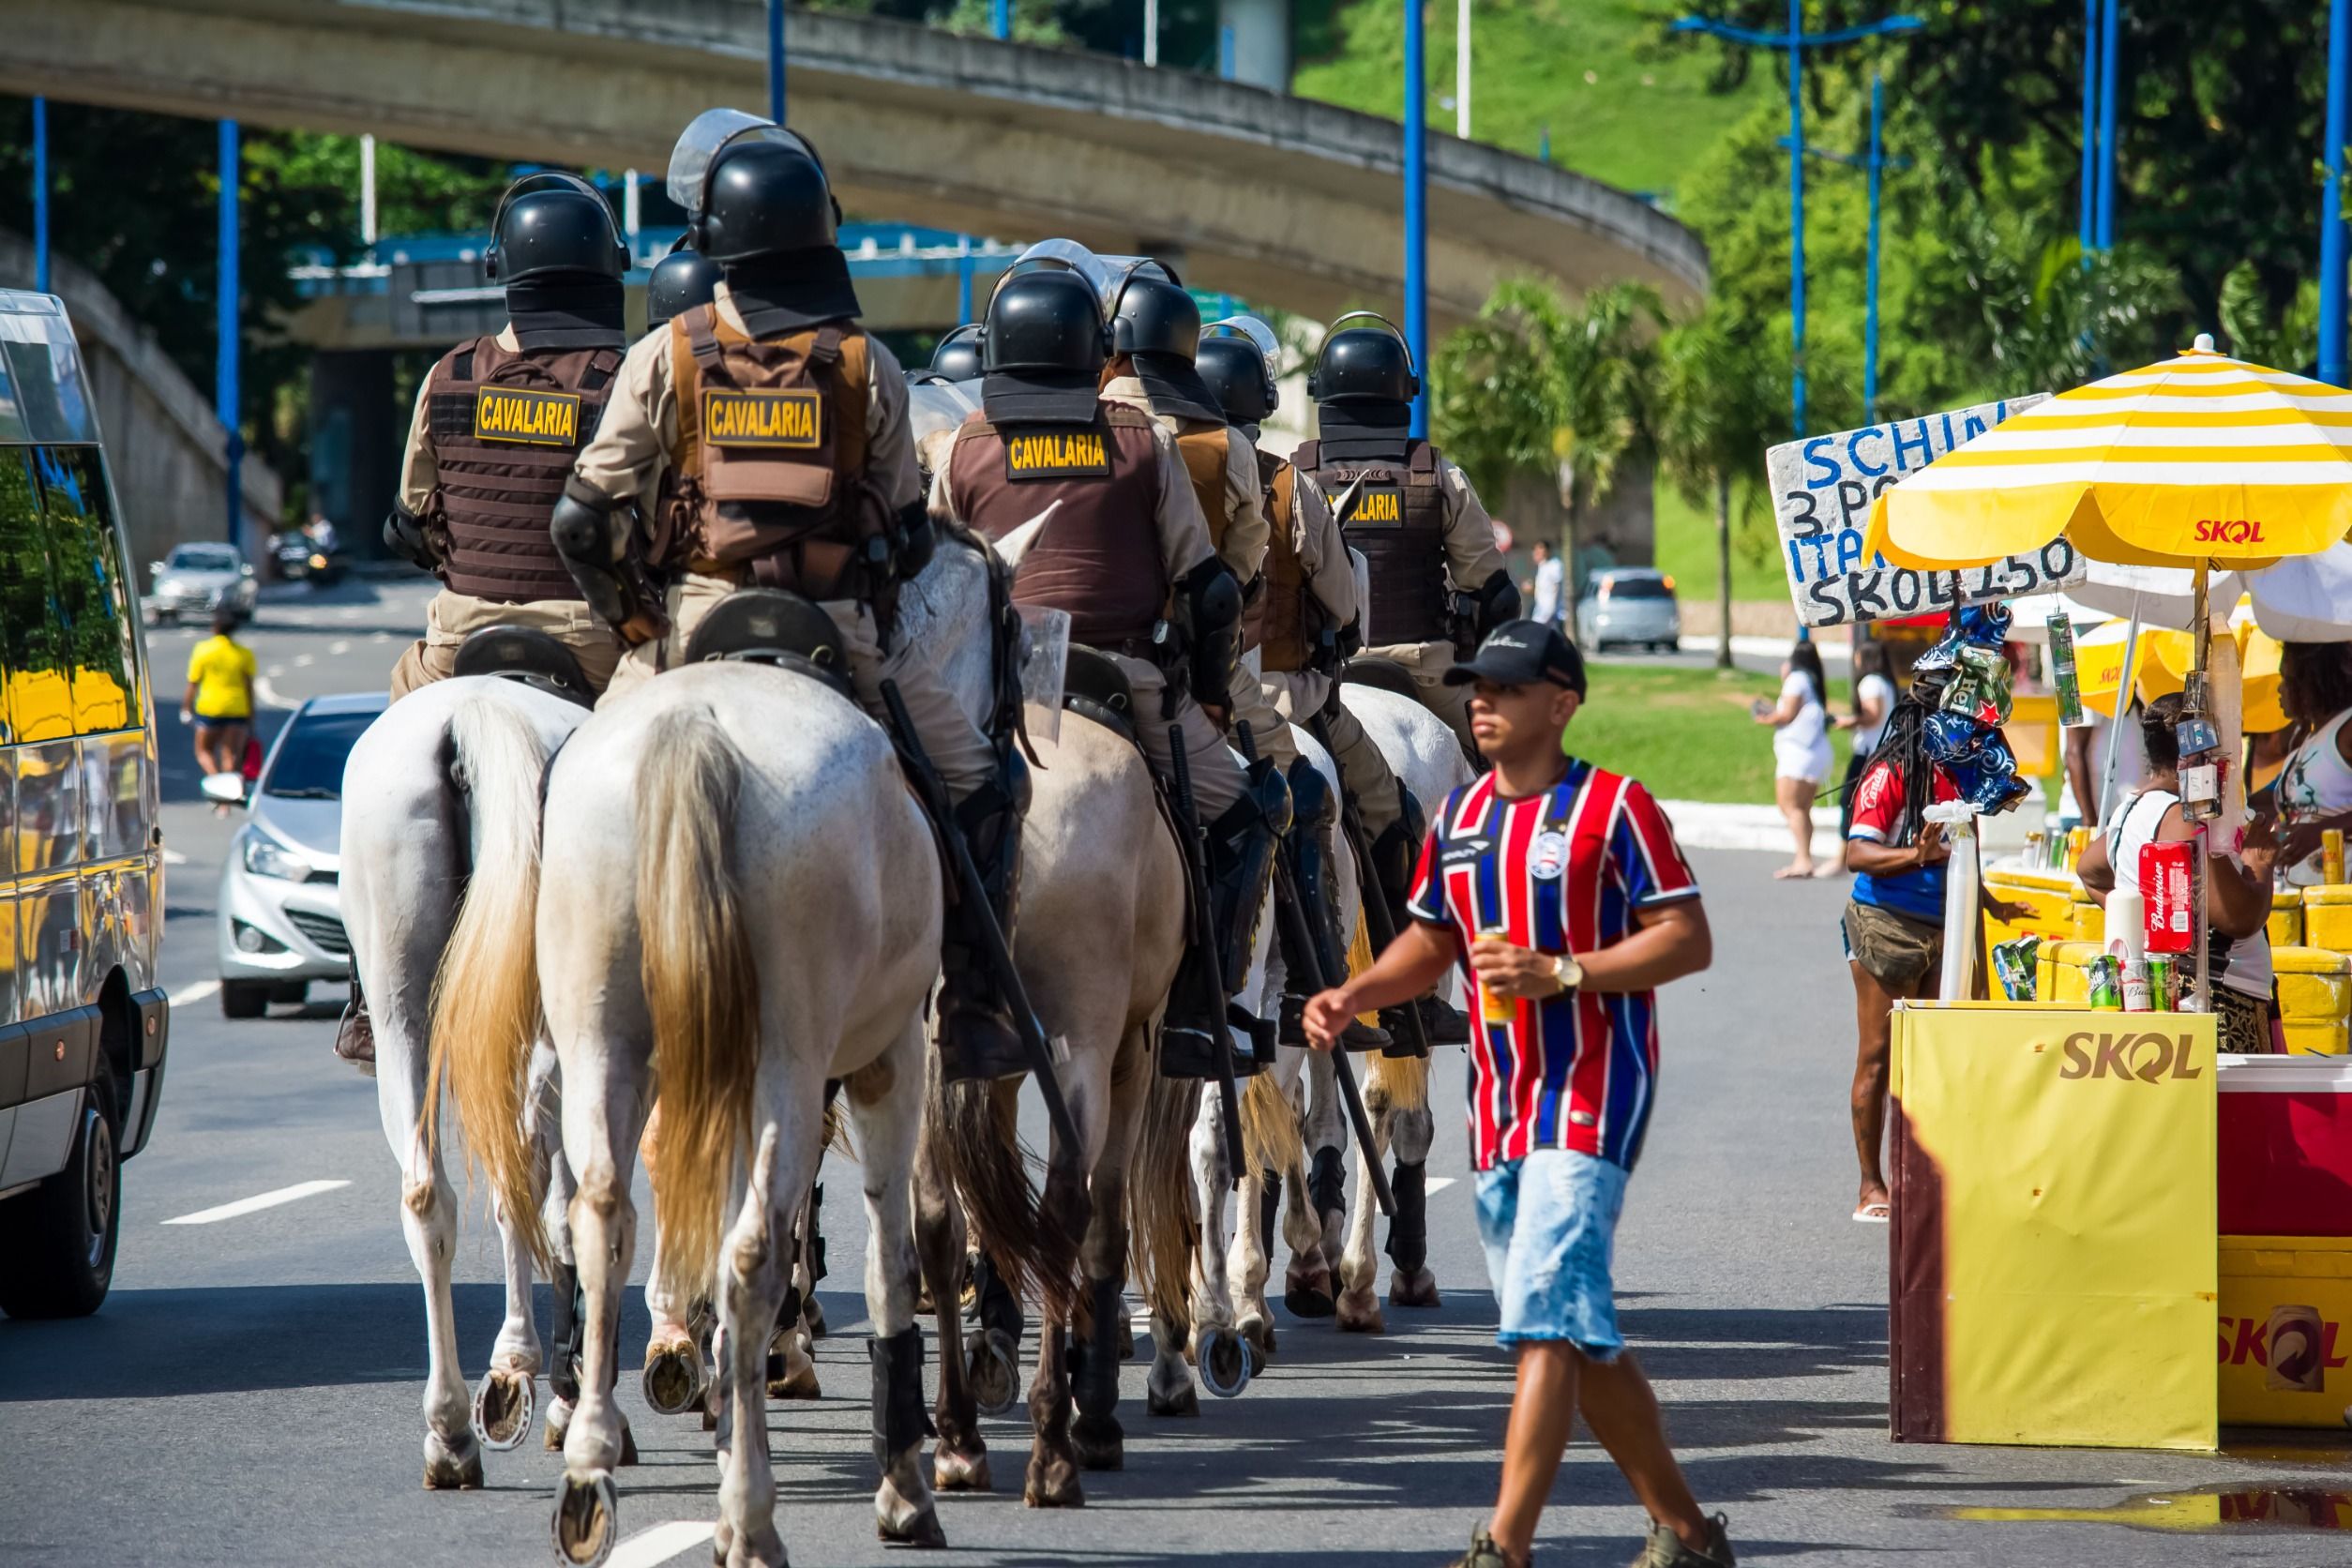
(220, 700)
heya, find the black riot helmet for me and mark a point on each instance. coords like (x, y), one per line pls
(958, 356)
(764, 197)
(1155, 317)
(552, 222)
(1041, 348)
(679, 283)
(1364, 364)
(1238, 373)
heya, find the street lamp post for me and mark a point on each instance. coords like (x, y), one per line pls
(1875, 165)
(1416, 215)
(40, 195)
(2332, 231)
(225, 361)
(2109, 27)
(775, 61)
(1795, 40)
(2087, 233)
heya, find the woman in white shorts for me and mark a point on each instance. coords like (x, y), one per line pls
(1800, 749)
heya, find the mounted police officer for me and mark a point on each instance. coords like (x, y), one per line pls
(1094, 500)
(499, 420)
(679, 281)
(765, 435)
(1438, 581)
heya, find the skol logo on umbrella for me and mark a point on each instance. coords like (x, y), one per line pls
(2229, 530)
(2145, 1058)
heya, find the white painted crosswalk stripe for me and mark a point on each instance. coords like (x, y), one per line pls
(659, 1545)
(1437, 1184)
(259, 1201)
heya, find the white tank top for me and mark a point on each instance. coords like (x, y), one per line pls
(2249, 967)
(2316, 782)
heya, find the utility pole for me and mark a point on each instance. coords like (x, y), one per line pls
(963, 278)
(2109, 27)
(1462, 70)
(1875, 165)
(1416, 212)
(2087, 228)
(2332, 368)
(1150, 32)
(40, 195)
(775, 61)
(225, 361)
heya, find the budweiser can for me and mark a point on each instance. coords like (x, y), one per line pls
(2168, 890)
(2297, 1341)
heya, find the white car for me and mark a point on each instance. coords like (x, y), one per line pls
(198, 579)
(1629, 604)
(281, 918)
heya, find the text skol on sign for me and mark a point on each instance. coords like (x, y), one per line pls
(2147, 1057)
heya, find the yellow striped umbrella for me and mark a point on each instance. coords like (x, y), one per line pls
(2165, 657)
(2201, 458)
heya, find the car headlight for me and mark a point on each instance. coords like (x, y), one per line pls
(265, 857)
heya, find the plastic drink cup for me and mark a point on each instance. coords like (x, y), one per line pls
(2077, 840)
(1493, 1006)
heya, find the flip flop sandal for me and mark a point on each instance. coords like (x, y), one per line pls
(1874, 1214)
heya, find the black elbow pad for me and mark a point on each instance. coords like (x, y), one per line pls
(405, 536)
(1214, 602)
(1497, 602)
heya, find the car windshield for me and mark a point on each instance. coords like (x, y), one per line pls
(204, 558)
(308, 764)
(1635, 588)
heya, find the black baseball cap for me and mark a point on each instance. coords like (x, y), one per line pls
(1520, 652)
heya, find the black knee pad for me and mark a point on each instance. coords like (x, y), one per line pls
(899, 1419)
(1000, 1308)
(1095, 1362)
(1409, 1232)
(1327, 1183)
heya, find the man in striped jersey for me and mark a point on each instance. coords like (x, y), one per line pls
(1559, 887)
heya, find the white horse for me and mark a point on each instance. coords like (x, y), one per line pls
(441, 848)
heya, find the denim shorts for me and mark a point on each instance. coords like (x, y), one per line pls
(1549, 1225)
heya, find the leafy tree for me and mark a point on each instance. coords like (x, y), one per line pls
(1722, 398)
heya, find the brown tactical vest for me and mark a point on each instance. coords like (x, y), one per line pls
(1203, 449)
(1276, 619)
(506, 426)
(768, 480)
(1099, 555)
(1398, 520)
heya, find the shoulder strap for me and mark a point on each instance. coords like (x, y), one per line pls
(700, 326)
(1283, 491)
(685, 389)
(1123, 413)
(602, 366)
(1421, 458)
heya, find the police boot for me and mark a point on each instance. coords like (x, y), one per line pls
(1241, 853)
(355, 1036)
(977, 1039)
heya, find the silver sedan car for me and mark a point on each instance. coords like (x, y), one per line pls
(1629, 604)
(199, 579)
(281, 917)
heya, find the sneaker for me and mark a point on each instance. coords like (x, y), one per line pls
(1663, 1548)
(1483, 1553)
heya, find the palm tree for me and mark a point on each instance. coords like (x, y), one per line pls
(1537, 387)
(1721, 400)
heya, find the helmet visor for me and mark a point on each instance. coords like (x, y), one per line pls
(709, 133)
(933, 406)
(1106, 275)
(1258, 332)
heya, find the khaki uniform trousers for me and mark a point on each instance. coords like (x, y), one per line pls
(1298, 696)
(1253, 704)
(1218, 780)
(451, 618)
(955, 743)
(1428, 662)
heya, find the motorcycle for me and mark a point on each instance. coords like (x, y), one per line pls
(299, 558)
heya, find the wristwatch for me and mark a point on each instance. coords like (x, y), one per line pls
(1568, 972)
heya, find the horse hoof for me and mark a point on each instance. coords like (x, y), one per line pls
(674, 1377)
(922, 1530)
(502, 1407)
(587, 1519)
(955, 1470)
(1360, 1313)
(445, 1471)
(1258, 1333)
(791, 1372)
(993, 1374)
(1417, 1288)
(1054, 1483)
(1184, 1401)
(812, 1317)
(1303, 1301)
(1225, 1364)
(1100, 1442)
(559, 1421)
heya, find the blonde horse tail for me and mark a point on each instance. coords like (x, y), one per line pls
(702, 988)
(1162, 1233)
(486, 996)
(1402, 1080)
(1271, 1140)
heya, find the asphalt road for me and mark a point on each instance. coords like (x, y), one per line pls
(250, 1393)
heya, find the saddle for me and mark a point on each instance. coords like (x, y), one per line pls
(1093, 687)
(774, 627)
(521, 653)
(1385, 674)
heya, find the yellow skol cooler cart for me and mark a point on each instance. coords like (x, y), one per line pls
(2053, 1268)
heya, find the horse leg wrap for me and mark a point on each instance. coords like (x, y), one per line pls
(1409, 1232)
(816, 1237)
(899, 1419)
(561, 1377)
(1327, 1183)
(1000, 1308)
(1095, 1368)
(1269, 1204)
(786, 1321)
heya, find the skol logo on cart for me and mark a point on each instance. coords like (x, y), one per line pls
(2308, 1339)
(2229, 530)
(733, 418)
(531, 417)
(2149, 1058)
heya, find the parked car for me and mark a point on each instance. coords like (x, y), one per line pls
(83, 1026)
(281, 919)
(1629, 605)
(198, 579)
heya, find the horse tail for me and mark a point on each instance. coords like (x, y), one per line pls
(1032, 1249)
(701, 987)
(1270, 1139)
(1403, 1080)
(1161, 1230)
(486, 995)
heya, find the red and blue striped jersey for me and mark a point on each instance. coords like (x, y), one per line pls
(1564, 871)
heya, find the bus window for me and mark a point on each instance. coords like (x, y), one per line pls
(38, 695)
(87, 568)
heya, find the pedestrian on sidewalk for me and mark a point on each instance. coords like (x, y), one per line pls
(220, 698)
(1551, 578)
(1560, 888)
(1801, 748)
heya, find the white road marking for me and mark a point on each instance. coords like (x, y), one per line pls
(269, 695)
(304, 661)
(173, 857)
(386, 637)
(659, 1545)
(187, 996)
(1437, 1184)
(353, 614)
(259, 1201)
(277, 670)
(342, 646)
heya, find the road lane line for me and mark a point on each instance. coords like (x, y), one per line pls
(1436, 1184)
(259, 1201)
(269, 693)
(659, 1545)
(187, 996)
(173, 857)
(342, 646)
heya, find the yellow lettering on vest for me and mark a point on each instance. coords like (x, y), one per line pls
(528, 417)
(1059, 454)
(1378, 506)
(790, 419)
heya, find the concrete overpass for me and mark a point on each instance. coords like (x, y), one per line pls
(1281, 200)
